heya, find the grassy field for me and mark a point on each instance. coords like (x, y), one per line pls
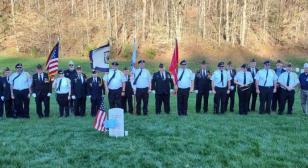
(198, 140)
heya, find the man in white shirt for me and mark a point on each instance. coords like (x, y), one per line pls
(243, 79)
(266, 83)
(185, 83)
(62, 86)
(221, 82)
(142, 83)
(20, 83)
(115, 85)
(288, 81)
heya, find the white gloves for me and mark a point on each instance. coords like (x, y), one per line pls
(171, 91)
(49, 94)
(231, 87)
(89, 96)
(153, 91)
(73, 97)
(2, 98)
(34, 95)
(196, 91)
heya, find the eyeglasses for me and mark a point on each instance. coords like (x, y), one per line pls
(71, 65)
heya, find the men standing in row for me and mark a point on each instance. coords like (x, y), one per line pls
(244, 80)
(162, 83)
(276, 101)
(202, 87)
(303, 78)
(142, 82)
(95, 90)
(71, 74)
(20, 83)
(127, 98)
(253, 94)
(287, 81)
(185, 85)
(115, 85)
(1, 97)
(221, 82)
(266, 83)
(231, 95)
(41, 91)
(62, 86)
(8, 101)
(79, 92)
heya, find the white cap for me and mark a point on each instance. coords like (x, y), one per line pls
(70, 62)
(306, 65)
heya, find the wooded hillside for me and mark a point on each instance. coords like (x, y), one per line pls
(256, 27)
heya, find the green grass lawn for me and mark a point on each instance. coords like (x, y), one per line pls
(198, 140)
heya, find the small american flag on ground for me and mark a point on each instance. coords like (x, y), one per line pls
(100, 118)
(53, 62)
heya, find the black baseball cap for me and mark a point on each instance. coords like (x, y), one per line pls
(183, 62)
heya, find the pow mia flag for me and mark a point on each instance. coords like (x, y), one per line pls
(99, 58)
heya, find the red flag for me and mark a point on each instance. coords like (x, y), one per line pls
(173, 67)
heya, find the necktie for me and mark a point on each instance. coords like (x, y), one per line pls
(203, 74)
(253, 72)
(59, 86)
(266, 77)
(288, 79)
(244, 78)
(162, 75)
(7, 79)
(222, 77)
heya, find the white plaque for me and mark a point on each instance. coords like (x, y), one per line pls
(116, 114)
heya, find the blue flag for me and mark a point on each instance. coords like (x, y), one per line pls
(134, 57)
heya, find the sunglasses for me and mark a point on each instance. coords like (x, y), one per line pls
(70, 65)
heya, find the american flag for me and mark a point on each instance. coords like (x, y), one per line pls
(100, 118)
(52, 62)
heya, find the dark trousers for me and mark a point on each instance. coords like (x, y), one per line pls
(39, 100)
(127, 100)
(63, 102)
(199, 97)
(71, 105)
(276, 101)
(230, 96)
(220, 100)
(253, 98)
(243, 96)
(142, 95)
(9, 109)
(114, 98)
(21, 103)
(286, 97)
(95, 103)
(159, 100)
(1, 108)
(182, 101)
(80, 106)
(266, 95)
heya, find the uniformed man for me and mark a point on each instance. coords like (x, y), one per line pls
(79, 92)
(96, 89)
(41, 91)
(253, 94)
(185, 82)
(221, 83)
(71, 74)
(1, 97)
(115, 85)
(162, 85)
(303, 79)
(243, 79)
(287, 81)
(142, 83)
(127, 98)
(8, 101)
(231, 95)
(62, 86)
(266, 83)
(20, 83)
(202, 87)
(276, 96)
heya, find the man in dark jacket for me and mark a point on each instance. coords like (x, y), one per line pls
(95, 91)
(231, 95)
(79, 92)
(41, 91)
(71, 74)
(202, 87)
(162, 85)
(253, 94)
(8, 101)
(127, 98)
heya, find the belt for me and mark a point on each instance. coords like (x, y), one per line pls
(266, 86)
